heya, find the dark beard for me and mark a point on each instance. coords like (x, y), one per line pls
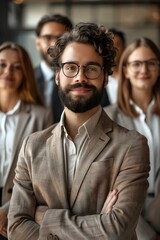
(80, 104)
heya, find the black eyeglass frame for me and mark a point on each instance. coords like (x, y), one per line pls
(61, 65)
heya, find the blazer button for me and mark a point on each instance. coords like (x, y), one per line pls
(55, 237)
(10, 190)
(52, 237)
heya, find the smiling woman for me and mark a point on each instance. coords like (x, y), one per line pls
(11, 73)
(16, 75)
(138, 108)
(21, 114)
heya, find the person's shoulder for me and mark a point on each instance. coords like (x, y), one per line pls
(35, 109)
(41, 135)
(126, 135)
(112, 110)
(111, 107)
(121, 133)
(37, 141)
(39, 109)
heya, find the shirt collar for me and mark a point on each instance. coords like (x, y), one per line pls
(48, 73)
(15, 109)
(89, 125)
(139, 110)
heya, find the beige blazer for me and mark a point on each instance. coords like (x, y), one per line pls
(31, 119)
(149, 226)
(115, 158)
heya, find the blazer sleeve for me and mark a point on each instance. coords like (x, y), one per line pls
(119, 224)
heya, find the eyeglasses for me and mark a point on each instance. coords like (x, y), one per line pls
(49, 38)
(135, 66)
(90, 71)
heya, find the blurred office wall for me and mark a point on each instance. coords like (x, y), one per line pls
(134, 19)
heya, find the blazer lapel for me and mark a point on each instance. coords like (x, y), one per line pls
(56, 165)
(21, 126)
(99, 139)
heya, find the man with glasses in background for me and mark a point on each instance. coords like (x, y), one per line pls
(48, 29)
(85, 177)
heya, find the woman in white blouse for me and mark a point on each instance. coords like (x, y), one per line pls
(138, 107)
(21, 114)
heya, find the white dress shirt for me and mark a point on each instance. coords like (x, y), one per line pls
(73, 149)
(8, 124)
(48, 74)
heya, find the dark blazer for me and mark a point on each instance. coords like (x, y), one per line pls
(115, 158)
(32, 118)
(57, 106)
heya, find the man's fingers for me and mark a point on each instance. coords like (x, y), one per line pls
(110, 201)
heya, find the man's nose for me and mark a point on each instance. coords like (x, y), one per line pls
(144, 67)
(81, 75)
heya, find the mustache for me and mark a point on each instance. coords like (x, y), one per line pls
(81, 85)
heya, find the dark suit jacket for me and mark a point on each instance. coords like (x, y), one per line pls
(57, 106)
(105, 99)
(115, 159)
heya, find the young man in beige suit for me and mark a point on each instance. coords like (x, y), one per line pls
(85, 177)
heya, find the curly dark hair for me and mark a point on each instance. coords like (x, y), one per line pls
(89, 33)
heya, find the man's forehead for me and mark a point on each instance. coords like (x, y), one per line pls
(81, 53)
(53, 28)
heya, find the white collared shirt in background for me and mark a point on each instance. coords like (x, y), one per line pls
(112, 89)
(8, 124)
(149, 125)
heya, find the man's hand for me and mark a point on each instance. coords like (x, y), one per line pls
(110, 201)
(3, 223)
(40, 211)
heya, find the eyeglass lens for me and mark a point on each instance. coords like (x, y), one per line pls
(151, 65)
(91, 71)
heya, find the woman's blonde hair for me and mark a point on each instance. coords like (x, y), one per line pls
(28, 89)
(124, 88)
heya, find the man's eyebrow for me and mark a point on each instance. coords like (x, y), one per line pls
(87, 63)
(93, 63)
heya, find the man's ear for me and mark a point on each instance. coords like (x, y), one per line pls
(37, 43)
(57, 78)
